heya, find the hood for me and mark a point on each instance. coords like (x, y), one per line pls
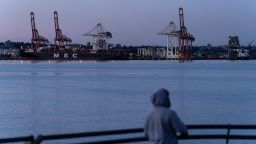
(161, 98)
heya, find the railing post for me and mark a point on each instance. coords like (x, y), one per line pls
(38, 140)
(31, 141)
(228, 133)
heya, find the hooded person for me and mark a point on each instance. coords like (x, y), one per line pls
(162, 124)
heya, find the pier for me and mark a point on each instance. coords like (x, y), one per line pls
(127, 135)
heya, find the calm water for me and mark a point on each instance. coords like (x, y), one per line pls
(64, 97)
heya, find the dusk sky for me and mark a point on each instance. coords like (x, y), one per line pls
(132, 22)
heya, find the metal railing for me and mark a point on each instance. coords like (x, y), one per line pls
(226, 136)
(136, 135)
(26, 140)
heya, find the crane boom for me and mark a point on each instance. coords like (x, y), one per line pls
(60, 39)
(36, 39)
(100, 36)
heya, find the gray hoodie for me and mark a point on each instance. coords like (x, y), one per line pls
(163, 124)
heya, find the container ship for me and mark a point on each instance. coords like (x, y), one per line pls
(73, 54)
(62, 49)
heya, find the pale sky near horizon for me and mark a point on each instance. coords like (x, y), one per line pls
(132, 22)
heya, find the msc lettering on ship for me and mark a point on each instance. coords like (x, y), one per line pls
(65, 55)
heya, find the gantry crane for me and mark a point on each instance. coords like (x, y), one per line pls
(179, 43)
(100, 37)
(185, 40)
(37, 40)
(172, 40)
(60, 39)
(250, 44)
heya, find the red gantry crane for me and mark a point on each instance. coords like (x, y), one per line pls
(185, 40)
(37, 40)
(179, 44)
(60, 39)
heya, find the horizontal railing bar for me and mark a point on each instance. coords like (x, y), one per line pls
(91, 134)
(137, 130)
(221, 126)
(237, 137)
(209, 136)
(117, 141)
(191, 137)
(17, 139)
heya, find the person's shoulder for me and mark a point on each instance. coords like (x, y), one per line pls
(150, 113)
(172, 112)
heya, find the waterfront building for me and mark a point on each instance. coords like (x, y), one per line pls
(8, 44)
(152, 53)
(235, 50)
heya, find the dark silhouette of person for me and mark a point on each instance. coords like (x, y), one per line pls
(163, 124)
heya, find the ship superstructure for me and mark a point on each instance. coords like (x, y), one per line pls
(235, 51)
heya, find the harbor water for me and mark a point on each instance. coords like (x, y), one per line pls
(51, 97)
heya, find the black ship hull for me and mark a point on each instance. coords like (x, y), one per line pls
(72, 56)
